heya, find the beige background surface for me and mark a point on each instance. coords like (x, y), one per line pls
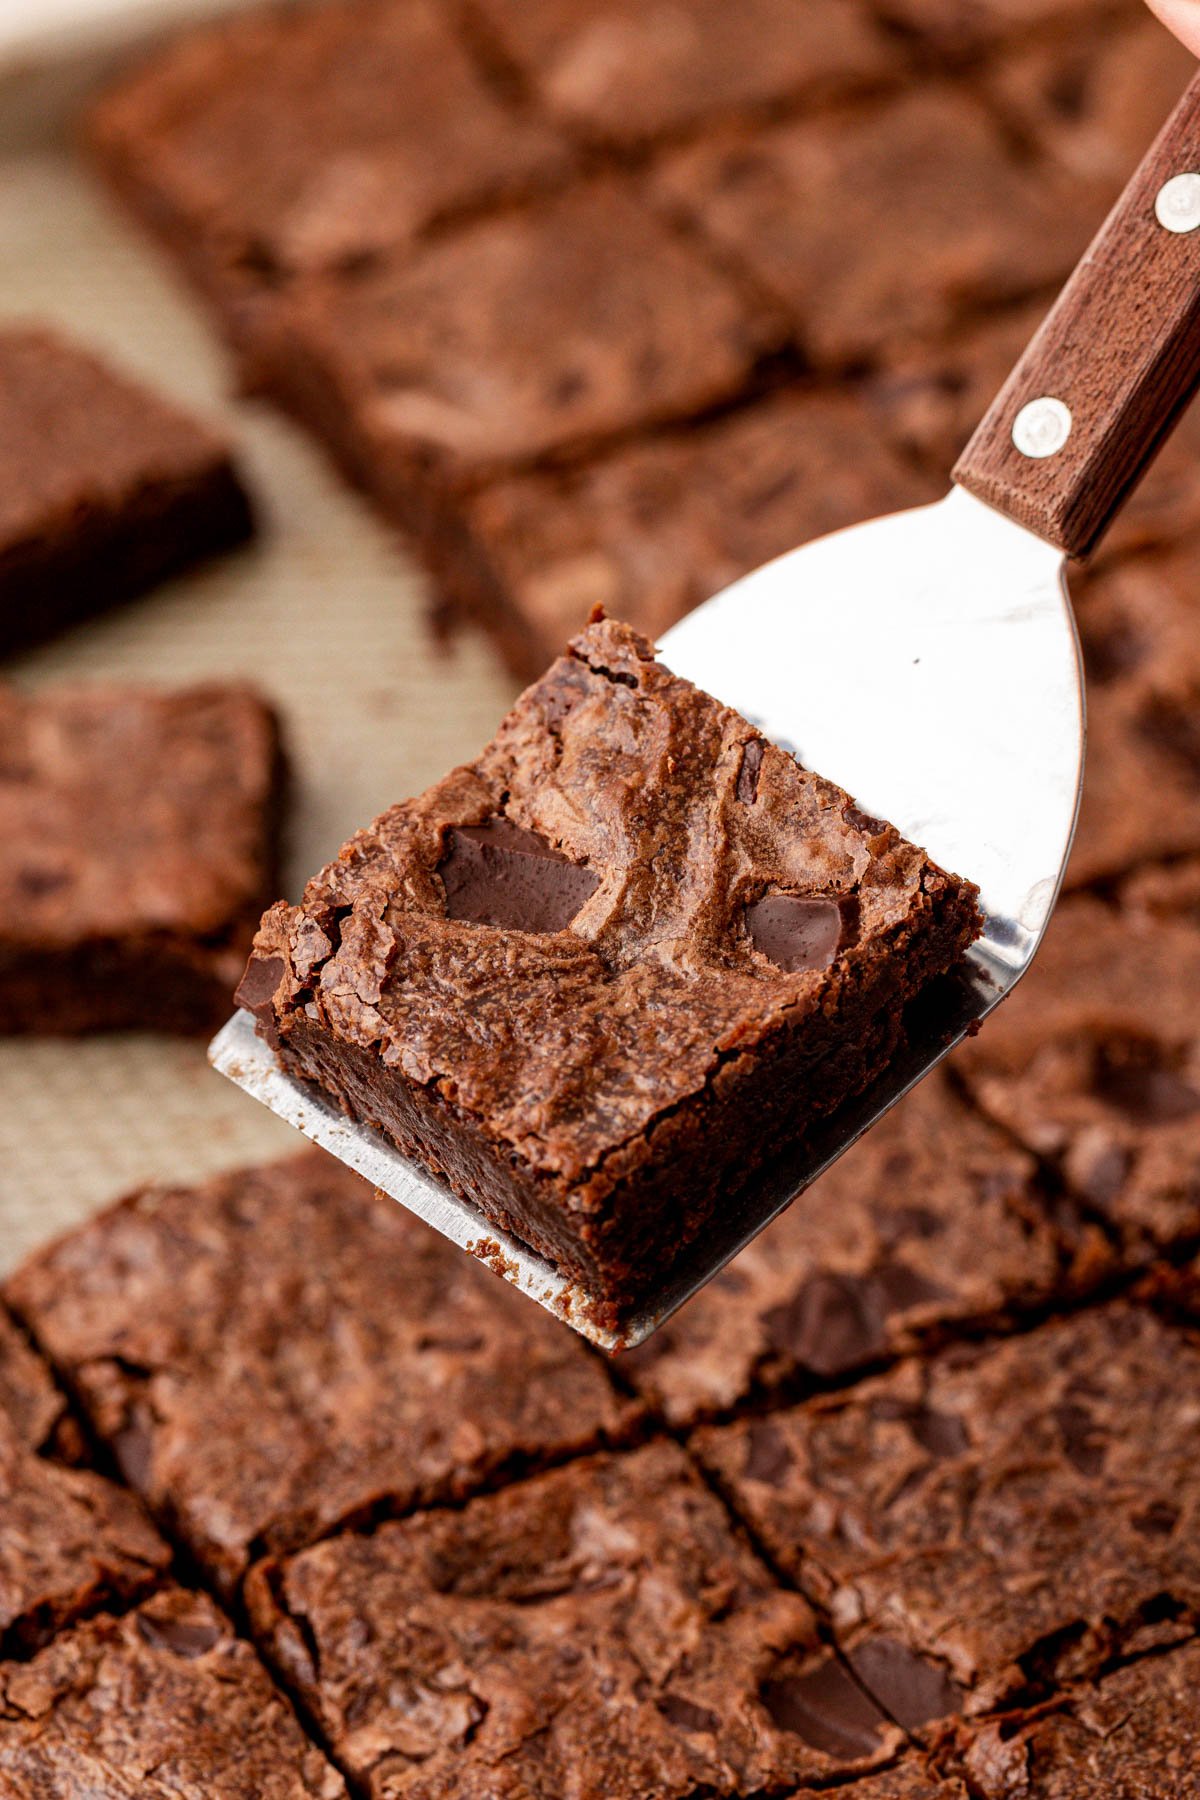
(325, 612)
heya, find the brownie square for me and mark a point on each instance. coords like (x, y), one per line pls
(164, 1703)
(292, 139)
(105, 488)
(1133, 1735)
(281, 1351)
(875, 226)
(597, 1630)
(1095, 1065)
(624, 72)
(654, 528)
(138, 839)
(932, 1223)
(603, 971)
(1023, 1511)
(531, 332)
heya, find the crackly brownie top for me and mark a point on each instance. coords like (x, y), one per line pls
(1022, 1510)
(931, 1219)
(282, 1349)
(297, 138)
(77, 437)
(628, 878)
(1095, 1064)
(598, 1630)
(127, 810)
(164, 1703)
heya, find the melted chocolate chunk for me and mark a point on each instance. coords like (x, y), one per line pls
(797, 931)
(826, 1708)
(747, 781)
(686, 1714)
(499, 874)
(256, 992)
(182, 1637)
(768, 1458)
(832, 1323)
(913, 1690)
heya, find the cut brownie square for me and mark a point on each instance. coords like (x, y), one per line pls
(310, 137)
(138, 838)
(164, 1703)
(652, 529)
(597, 1630)
(105, 488)
(623, 72)
(931, 1223)
(531, 332)
(1020, 1511)
(1095, 1065)
(837, 215)
(603, 971)
(1133, 1736)
(281, 1351)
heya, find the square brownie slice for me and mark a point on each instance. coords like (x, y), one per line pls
(105, 487)
(280, 1351)
(165, 1703)
(138, 839)
(654, 528)
(1021, 1511)
(931, 1225)
(600, 1629)
(595, 977)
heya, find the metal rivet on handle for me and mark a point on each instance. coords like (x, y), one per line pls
(1042, 427)
(1177, 207)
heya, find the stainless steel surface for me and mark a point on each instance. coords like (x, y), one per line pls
(926, 662)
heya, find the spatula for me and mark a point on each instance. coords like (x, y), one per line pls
(927, 663)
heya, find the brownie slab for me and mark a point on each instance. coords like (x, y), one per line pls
(930, 1224)
(652, 529)
(138, 841)
(1095, 1065)
(281, 1351)
(105, 488)
(593, 977)
(1022, 1511)
(596, 1630)
(164, 1703)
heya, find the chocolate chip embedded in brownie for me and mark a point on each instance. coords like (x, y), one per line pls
(652, 529)
(1095, 1064)
(626, 72)
(281, 1350)
(1022, 1510)
(600, 1629)
(105, 488)
(835, 215)
(138, 838)
(295, 139)
(600, 973)
(165, 1703)
(931, 1222)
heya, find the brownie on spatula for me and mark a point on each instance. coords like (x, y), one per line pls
(595, 977)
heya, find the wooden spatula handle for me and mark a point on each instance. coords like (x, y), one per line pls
(1105, 379)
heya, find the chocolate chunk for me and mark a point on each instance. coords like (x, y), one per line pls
(1134, 1080)
(256, 992)
(133, 1448)
(832, 1323)
(796, 931)
(1082, 1440)
(912, 1689)
(1159, 1519)
(825, 1707)
(747, 781)
(686, 1714)
(940, 1433)
(182, 1637)
(767, 1456)
(499, 874)
(902, 1287)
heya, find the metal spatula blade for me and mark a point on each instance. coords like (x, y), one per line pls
(928, 664)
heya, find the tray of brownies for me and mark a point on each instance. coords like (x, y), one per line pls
(359, 360)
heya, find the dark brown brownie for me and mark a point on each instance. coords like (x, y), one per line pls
(1134, 1736)
(604, 970)
(1021, 1511)
(1095, 1065)
(280, 1351)
(164, 1703)
(138, 840)
(932, 1222)
(877, 226)
(105, 488)
(598, 1630)
(309, 137)
(622, 71)
(651, 530)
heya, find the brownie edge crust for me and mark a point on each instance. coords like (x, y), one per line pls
(597, 976)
